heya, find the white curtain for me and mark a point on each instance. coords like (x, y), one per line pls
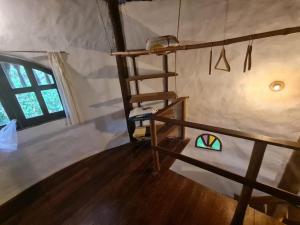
(65, 87)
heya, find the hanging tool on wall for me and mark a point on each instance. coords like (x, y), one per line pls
(223, 56)
(248, 58)
(223, 52)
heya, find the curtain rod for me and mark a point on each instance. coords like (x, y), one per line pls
(229, 41)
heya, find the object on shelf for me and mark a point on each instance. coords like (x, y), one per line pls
(161, 42)
(139, 132)
(141, 113)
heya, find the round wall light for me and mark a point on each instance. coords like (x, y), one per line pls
(277, 86)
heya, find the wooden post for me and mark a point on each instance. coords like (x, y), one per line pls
(136, 82)
(154, 143)
(252, 172)
(166, 80)
(113, 8)
(290, 181)
(183, 116)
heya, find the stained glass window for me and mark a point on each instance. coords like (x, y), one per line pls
(52, 100)
(209, 141)
(3, 116)
(16, 75)
(29, 104)
(42, 78)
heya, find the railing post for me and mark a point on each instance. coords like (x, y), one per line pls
(183, 117)
(166, 80)
(252, 173)
(135, 73)
(155, 154)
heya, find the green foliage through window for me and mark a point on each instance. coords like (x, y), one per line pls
(16, 75)
(28, 93)
(29, 104)
(52, 100)
(42, 78)
(3, 116)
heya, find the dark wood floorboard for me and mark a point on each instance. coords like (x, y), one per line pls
(118, 187)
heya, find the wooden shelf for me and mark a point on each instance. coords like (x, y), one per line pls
(153, 97)
(151, 76)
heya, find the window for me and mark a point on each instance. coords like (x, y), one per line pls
(209, 142)
(28, 93)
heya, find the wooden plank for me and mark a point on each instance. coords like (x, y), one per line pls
(233, 133)
(151, 76)
(285, 31)
(256, 159)
(115, 18)
(153, 96)
(292, 198)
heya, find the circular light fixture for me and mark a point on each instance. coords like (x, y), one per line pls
(277, 86)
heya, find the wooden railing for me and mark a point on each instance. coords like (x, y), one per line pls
(249, 180)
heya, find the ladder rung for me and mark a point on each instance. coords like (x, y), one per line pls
(151, 76)
(153, 96)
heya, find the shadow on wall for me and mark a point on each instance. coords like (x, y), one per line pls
(111, 124)
(138, 34)
(105, 72)
(111, 103)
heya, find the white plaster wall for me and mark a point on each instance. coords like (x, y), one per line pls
(232, 100)
(70, 26)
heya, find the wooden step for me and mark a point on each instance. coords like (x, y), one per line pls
(151, 76)
(153, 97)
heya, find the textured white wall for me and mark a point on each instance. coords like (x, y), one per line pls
(70, 26)
(232, 100)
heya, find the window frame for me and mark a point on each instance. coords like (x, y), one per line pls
(10, 102)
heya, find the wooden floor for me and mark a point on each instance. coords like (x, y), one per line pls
(118, 187)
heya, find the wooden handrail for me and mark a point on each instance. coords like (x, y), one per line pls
(232, 133)
(249, 181)
(290, 197)
(178, 100)
(137, 52)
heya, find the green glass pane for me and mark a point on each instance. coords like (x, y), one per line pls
(52, 100)
(29, 104)
(200, 143)
(42, 78)
(16, 75)
(3, 116)
(216, 145)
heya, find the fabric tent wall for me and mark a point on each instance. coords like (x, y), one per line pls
(70, 26)
(232, 100)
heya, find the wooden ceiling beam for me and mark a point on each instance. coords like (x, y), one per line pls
(137, 52)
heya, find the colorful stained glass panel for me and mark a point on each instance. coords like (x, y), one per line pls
(209, 141)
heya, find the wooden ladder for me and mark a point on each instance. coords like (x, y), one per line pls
(164, 95)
